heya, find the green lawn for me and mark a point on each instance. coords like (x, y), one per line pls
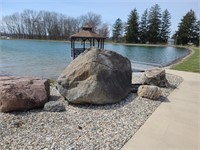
(191, 63)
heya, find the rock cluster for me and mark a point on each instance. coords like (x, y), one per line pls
(20, 93)
(96, 77)
(152, 80)
(82, 127)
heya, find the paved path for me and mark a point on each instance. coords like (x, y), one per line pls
(175, 125)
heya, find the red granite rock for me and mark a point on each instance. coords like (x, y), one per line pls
(20, 93)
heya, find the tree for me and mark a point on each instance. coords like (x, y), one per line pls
(48, 25)
(198, 31)
(143, 27)
(132, 28)
(154, 24)
(117, 30)
(29, 21)
(92, 19)
(188, 29)
(104, 30)
(165, 26)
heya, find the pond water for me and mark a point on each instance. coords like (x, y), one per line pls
(48, 59)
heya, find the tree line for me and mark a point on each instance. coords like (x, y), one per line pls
(154, 27)
(188, 30)
(49, 25)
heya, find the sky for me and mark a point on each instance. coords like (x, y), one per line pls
(109, 10)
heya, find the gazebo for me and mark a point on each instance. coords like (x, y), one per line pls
(86, 34)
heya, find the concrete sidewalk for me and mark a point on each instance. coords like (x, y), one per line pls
(175, 125)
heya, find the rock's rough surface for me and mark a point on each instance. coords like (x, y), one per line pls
(149, 91)
(156, 77)
(54, 106)
(96, 77)
(18, 93)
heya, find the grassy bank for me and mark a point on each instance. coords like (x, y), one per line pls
(191, 63)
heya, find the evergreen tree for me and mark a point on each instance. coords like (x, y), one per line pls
(143, 27)
(154, 24)
(198, 32)
(188, 29)
(165, 26)
(132, 28)
(117, 30)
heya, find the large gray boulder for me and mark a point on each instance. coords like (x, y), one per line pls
(18, 93)
(96, 77)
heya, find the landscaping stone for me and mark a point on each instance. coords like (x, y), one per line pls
(149, 92)
(96, 77)
(54, 106)
(19, 93)
(155, 77)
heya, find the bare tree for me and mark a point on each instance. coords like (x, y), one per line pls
(92, 19)
(104, 30)
(49, 25)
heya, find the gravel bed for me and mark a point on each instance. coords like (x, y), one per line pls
(87, 127)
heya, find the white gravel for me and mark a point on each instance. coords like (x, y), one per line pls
(86, 127)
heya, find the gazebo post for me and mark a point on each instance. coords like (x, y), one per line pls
(90, 42)
(83, 44)
(93, 42)
(98, 42)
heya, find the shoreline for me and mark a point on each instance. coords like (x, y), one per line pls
(58, 41)
(168, 65)
(181, 59)
(108, 42)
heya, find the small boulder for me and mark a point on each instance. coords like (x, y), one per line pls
(19, 93)
(149, 92)
(54, 106)
(155, 77)
(96, 77)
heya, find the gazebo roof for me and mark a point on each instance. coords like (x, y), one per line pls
(87, 32)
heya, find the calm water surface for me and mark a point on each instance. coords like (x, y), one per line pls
(48, 59)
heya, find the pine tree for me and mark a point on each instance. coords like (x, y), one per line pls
(117, 30)
(188, 29)
(198, 32)
(132, 28)
(143, 27)
(154, 24)
(165, 26)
